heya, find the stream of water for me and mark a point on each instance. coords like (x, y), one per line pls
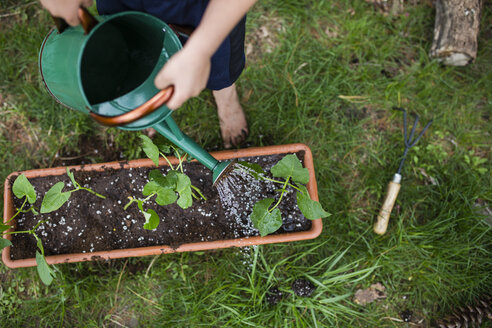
(238, 192)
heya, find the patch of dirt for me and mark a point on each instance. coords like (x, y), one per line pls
(326, 31)
(11, 13)
(263, 38)
(23, 138)
(369, 295)
(90, 149)
(274, 295)
(396, 7)
(406, 315)
(303, 287)
(88, 224)
(483, 208)
(354, 114)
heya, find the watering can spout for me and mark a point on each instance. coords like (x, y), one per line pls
(169, 129)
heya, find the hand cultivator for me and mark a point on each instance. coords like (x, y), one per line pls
(394, 185)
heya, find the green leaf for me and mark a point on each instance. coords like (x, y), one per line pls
(150, 149)
(172, 179)
(22, 187)
(4, 227)
(71, 176)
(165, 195)
(151, 217)
(45, 272)
(183, 188)
(263, 220)
(290, 166)
(4, 243)
(168, 181)
(162, 143)
(156, 175)
(39, 244)
(54, 198)
(482, 170)
(151, 220)
(252, 168)
(150, 188)
(311, 209)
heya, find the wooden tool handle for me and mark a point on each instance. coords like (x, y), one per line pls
(384, 215)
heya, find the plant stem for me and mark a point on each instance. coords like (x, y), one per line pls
(136, 200)
(167, 160)
(38, 224)
(132, 200)
(280, 182)
(39, 242)
(92, 192)
(18, 211)
(199, 192)
(28, 231)
(12, 232)
(180, 165)
(281, 195)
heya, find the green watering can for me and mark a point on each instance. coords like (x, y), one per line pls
(106, 68)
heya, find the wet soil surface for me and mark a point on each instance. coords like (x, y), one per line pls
(303, 287)
(274, 295)
(88, 224)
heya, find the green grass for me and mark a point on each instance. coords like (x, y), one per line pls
(299, 86)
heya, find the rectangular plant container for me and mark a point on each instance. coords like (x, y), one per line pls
(315, 230)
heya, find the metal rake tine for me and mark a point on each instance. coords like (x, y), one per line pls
(409, 140)
(422, 133)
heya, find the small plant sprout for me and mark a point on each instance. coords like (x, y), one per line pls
(55, 198)
(23, 188)
(175, 186)
(267, 218)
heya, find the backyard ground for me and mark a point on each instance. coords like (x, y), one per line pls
(324, 73)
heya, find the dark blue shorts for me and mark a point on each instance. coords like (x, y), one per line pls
(227, 62)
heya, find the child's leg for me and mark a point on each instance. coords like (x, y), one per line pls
(233, 125)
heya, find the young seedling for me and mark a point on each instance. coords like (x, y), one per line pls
(23, 188)
(267, 218)
(55, 198)
(175, 186)
(52, 200)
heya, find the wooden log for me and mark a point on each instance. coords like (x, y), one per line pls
(456, 31)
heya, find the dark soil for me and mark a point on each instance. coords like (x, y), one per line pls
(90, 149)
(406, 315)
(88, 224)
(274, 295)
(303, 287)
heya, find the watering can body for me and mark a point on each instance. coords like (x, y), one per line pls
(108, 71)
(111, 70)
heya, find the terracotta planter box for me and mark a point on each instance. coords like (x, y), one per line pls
(315, 230)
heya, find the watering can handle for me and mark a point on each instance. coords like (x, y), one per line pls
(87, 20)
(147, 108)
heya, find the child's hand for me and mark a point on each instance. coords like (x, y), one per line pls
(187, 71)
(66, 9)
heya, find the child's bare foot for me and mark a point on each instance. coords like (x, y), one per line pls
(233, 125)
(150, 132)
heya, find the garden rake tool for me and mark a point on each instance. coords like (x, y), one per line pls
(394, 185)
